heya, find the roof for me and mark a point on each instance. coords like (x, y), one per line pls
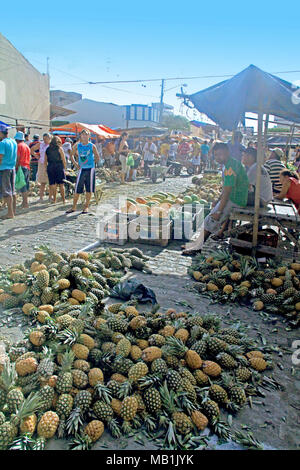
(251, 90)
(56, 111)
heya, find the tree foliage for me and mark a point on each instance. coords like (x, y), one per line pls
(174, 123)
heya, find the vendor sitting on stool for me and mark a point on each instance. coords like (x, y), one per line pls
(234, 195)
(290, 187)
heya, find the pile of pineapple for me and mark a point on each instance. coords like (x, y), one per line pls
(85, 367)
(273, 287)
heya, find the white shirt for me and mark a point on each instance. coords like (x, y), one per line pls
(149, 155)
(266, 191)
(67, 146)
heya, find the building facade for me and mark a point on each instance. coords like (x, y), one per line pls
(24, 91)
(112, 115)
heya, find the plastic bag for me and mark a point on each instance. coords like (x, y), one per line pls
(133, 289)
(130, 160)
(20, 179)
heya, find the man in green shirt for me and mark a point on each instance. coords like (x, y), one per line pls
(234, 194)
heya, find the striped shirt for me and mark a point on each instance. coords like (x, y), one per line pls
(274, 168)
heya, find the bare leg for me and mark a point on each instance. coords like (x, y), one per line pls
(14, 199)
(42, 190)
(10, 207)
(75, 201)
(54, 193)
(62, 192)
(88, 197)
(25, 204)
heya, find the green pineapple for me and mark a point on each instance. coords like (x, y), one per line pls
(64, 405)
(83, 400)
(218, 394)
(210, 409)
(200, 347)
(65, 380)
(47, 295)
(215, 345)
(152, 400)
(117, 324)
(174, 380)
(159, 367)
(46, 394)
(42, 279)
(226, 360)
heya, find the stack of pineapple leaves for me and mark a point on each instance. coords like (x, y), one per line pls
(85, 367)
(110, 176)
(228, 277)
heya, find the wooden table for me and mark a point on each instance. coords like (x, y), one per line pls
(279, 214)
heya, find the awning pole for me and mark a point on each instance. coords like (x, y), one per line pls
(260, 162)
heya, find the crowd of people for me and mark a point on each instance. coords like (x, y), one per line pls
(44, 161)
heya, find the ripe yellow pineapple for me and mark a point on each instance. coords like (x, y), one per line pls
(201, 377)
(95, 376)
(151, 353)
(28, 424)
(48, 425)
(18, 288)
(80, 351)
(276, 282)
(197, 275)
(228, 289)
(131, 311)
(251, 354)
(211, 368)
(142, 343)
(42, 316)
(94, 430)
(28, 308)
(116, 406)
(87, 341)
(193, 360)
(236, 276)
(135, 352)
(26, 366)
(258, 363)
(182, 334)
(47, 308)
(37, 338)
(258, 305)
(118, 378)
(199, 420)
(168, 330)
(63, 284)
(129, 408)
(79, 295)
(211, 287)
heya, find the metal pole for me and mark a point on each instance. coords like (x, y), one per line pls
(266, 130)
(288, 142)
(162, 100)
(260, 161)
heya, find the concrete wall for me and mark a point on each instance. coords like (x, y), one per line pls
(24, 91)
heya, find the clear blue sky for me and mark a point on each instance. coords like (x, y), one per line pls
(130, 40)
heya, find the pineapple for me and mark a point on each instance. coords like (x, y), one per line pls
(129, 408)
(218, 394)
(37, 338)
(151, 353)
(201, 378)
(116, 406)
(199, 420)
(137, 371)
(114, 308)
(215, 345)
(152, 400)
(26, 366)
(123, 347)
(114, 388)
(79, 378)
(65, 380)
(174, 380)
(243, 374)
(80, 351)
(94, 430)
(95, 376)
(87, 341)
(258, 363)
(28, 424)
(200, 347)
(135, 353)
(183, 424)
(64, 405)
(48, 425)
(226, 361)
(211, 409)
(14, 399)
(159, 367)
(237, 395)
(83, 400)
(177, 348)
(211, 368)
(42, 279)
(186, 374)
(46, 395)
(82, 365)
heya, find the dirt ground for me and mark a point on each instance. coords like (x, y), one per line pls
(274, 419)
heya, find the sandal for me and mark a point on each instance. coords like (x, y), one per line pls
(70, 211)
(191, 252)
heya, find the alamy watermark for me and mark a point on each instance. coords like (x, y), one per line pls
(296, 353)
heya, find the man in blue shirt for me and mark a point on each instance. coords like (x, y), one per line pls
(87, 155)
(204, 155)
(8, 158)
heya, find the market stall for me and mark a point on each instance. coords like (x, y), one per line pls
(255, 91)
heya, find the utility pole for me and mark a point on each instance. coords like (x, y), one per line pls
(48, 66)
(161, 110)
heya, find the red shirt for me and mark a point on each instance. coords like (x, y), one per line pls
(24, 155)
(294, 192)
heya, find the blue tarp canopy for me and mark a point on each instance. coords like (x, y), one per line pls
(4, 124)
(70, 134)
(251, 90)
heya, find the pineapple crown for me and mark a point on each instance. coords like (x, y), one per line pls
(175, 347)
(67, 361)
(8, 377)
(29, 406)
